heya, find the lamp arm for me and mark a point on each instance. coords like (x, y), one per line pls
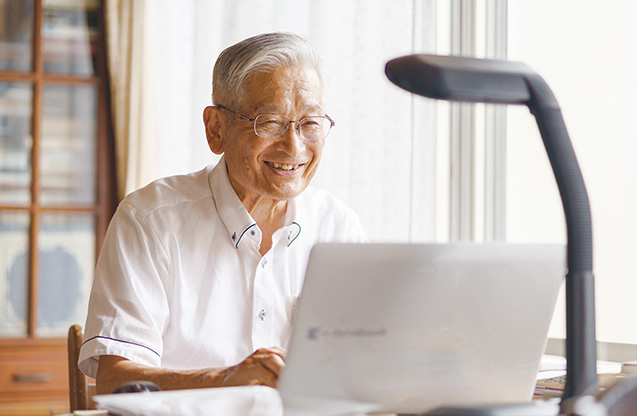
(581, 355)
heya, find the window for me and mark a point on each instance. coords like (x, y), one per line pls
(587, 54)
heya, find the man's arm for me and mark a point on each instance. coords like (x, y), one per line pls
(261, 368)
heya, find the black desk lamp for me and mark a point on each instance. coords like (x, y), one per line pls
(502, 82)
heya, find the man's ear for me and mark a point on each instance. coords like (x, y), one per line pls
(215, 126)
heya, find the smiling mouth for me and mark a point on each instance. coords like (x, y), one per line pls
(283, 166)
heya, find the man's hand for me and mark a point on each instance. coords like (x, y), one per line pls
(261, 368)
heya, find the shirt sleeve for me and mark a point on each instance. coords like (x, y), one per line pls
(128, 306)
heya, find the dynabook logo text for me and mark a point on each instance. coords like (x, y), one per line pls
(318, 332)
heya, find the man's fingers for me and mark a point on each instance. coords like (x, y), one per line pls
(272, 362)
(281, 352)
(261, 368)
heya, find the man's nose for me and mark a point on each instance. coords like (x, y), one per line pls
(296, 126)
(292, 140)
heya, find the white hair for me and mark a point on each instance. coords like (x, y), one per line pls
(261, 53)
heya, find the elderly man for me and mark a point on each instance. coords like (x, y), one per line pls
(199, 275)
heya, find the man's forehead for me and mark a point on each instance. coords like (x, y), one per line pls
(275, 106)
(296, 86)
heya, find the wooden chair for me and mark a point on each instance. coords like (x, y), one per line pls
(80, 391)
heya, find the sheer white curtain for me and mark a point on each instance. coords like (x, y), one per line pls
(379, 159)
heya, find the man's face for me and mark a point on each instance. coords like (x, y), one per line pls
(281, 168)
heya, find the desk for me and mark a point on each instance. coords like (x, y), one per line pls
(248, 401)
(265, 401)
(252, 401)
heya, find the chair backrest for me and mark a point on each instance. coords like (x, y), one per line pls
(78, 390)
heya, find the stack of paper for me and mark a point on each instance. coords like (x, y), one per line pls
(551, 378)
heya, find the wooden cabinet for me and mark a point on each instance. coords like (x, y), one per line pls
(57, 189)
(36, 372)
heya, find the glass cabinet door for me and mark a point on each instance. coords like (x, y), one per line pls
(16, 107)
(66, 253)
(16, 35)
(15, 143)
(69, 34)
(50, 212)
(14, 273)
(67, 145)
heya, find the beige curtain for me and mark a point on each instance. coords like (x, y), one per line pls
(130, 56)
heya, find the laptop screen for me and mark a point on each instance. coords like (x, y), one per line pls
(412, 327)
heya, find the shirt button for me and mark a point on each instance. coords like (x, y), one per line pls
(262, 314)
(264, 263)
(252, 233)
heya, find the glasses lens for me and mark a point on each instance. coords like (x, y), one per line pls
(315, 127)
(270, 126)
(273, 126)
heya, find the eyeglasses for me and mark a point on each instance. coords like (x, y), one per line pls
(273, 126)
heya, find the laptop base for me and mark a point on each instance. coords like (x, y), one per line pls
(536, 408)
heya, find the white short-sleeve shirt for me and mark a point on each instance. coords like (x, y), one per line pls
(180, 282)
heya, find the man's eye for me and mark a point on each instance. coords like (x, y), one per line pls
(270, 121)
(311, 123)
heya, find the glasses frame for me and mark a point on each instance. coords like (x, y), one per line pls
(297, 128)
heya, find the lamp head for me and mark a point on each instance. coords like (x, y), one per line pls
(462, 79)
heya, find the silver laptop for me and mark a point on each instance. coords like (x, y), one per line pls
(411, 327)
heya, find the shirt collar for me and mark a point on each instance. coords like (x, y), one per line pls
(237, 220)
